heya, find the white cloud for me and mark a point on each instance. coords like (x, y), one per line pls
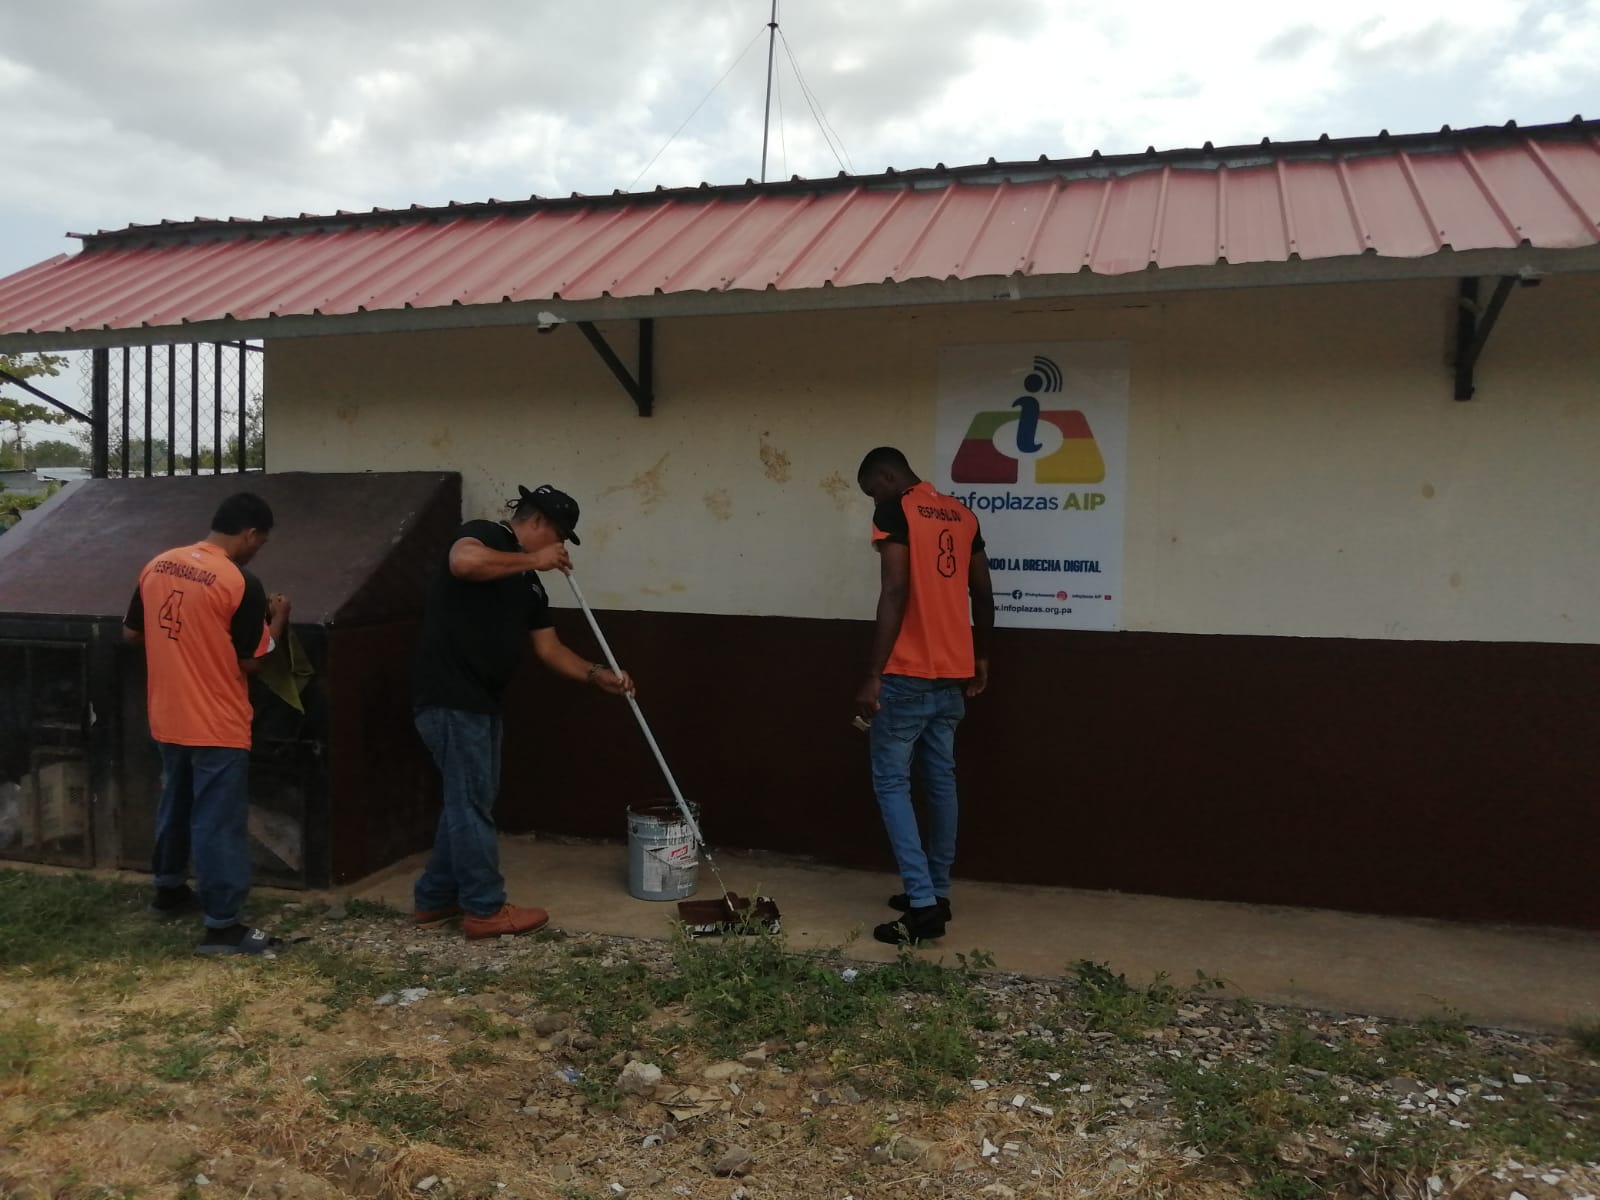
(172, 108)
(1559, 54)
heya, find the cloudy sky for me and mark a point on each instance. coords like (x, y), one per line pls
(133, 110)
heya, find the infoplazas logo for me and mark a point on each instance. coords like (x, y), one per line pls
(1058, 442)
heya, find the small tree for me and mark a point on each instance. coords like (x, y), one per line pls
(57, 454)
(255, 445)
(159, 450)
(16, 412)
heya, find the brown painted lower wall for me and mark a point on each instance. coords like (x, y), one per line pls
(1457, 780)
(382, 784)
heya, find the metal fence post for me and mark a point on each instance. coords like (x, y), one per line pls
(100, 413)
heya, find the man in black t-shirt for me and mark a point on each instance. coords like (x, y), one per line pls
(483, 607)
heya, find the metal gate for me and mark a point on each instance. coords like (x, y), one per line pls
(194, 409)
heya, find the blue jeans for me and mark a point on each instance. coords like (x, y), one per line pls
(205, 807)
(464, 867)
(916, 725)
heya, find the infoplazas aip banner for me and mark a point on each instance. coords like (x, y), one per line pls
(1033, 438)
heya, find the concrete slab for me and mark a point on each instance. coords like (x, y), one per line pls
(1516, 977)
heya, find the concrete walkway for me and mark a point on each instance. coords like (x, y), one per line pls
(1517, 977)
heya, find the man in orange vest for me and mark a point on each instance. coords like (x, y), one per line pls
(206, 623)
(930, 651)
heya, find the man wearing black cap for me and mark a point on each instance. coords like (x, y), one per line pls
(481, 609)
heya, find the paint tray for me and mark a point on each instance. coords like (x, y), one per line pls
(729, 914)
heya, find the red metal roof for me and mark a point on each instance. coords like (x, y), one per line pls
(1393, 197)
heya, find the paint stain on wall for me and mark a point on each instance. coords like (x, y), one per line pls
(1455, 579)
(774, 461)
(839, 490)
(669, 590)
(719, 504)
(440, 439)
(348, 412)
(1428, 492)
(646, 486)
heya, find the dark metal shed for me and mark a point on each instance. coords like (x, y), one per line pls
(337, 790)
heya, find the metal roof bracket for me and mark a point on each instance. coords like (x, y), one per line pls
(643, 388)
(1475, 323)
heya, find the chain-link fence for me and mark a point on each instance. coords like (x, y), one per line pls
(187, 409)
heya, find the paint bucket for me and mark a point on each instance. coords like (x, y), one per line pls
(663, 860)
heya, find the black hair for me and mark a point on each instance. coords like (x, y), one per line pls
(883, 458)
(241, 511)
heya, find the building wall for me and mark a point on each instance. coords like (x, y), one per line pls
(1361, 665)
(1296, 463)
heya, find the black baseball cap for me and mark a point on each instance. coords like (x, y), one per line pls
(560, 508)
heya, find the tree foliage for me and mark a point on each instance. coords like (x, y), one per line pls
(57, 454)
(17, 410)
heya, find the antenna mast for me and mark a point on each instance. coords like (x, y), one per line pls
(766, 125)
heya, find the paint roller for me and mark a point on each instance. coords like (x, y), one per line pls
(732, 913)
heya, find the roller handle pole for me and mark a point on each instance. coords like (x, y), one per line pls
(661, 759)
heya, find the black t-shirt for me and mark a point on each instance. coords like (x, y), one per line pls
(473, 633)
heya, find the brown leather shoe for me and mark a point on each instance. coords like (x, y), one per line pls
(510, 919)
(427, 918)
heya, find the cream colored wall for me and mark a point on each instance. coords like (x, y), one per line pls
(1296, 463)
(1312, 474)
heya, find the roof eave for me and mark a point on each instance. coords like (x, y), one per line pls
(1526, 261)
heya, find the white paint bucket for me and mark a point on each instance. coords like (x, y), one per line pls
(663, 860)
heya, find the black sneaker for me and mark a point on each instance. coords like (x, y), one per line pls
(901, 902)
(238, 939)
(918, 925)
(172, 902)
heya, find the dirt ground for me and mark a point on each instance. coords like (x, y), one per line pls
(379, 1061)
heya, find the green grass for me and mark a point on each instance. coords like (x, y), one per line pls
(183, 1047)
(1445, 1029)
(222, 1016)
(1243, 1111)
(54, 924)
(601, 1092)
(609, 998)
(91, 1098)
(392, 1095)
(727, 995)
(1111, 1004)
(182, 1061)
(464, 1058)
(487, 1025)
(51, 924)
(905, 1029)
(22, 1048)
(351, 980)
(370, 909)
(1061, 1054)
(1328, 1052)
(1587, 1035)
